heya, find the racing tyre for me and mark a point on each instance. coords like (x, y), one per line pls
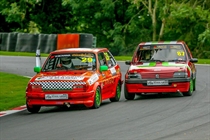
(97, 99)
(33, 109)
(117, 94)
(190, 90)
(128, 96)
(194, 84)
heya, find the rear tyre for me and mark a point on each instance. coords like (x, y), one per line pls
(117, 93)
(97, 99)
(194, 84)
(33, 109)
(128, 96)
(191, 88)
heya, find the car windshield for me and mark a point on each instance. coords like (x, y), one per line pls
(161, 53)
(70, 61)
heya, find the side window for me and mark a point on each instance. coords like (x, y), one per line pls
(145, 54)
(51, 63)
(101, 59)
(177, 52)
(187, 50)
(110, 59)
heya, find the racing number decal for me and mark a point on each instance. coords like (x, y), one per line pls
(106, 55)
(180, 53)
(85, 59)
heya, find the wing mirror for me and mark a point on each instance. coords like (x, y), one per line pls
(128, 62)
(194, 60)
(103, 68)
(37, 69)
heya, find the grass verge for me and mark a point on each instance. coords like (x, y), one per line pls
(21, 53)
(203, 61)
(12, 90)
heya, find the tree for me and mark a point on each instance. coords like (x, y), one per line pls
(178, 20)
(105, 19)
(119, 25)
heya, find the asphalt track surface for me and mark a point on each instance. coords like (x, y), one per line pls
(165, 117)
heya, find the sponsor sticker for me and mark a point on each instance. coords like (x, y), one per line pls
(60, 78)
(83, 54)
(62, 55)
(113, 71)
(93, 79)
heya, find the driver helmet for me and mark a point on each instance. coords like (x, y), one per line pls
(65, 61)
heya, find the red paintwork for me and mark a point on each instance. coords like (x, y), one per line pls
(106, 81)
(165, 73)
(140, 88)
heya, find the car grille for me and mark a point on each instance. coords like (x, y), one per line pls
(58, 85)
(154, 75)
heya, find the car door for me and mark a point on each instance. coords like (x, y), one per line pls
(107, 76)
(113, 68)
(190, 64)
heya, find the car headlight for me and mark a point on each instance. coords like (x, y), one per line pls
(180, 74)
(134, 75)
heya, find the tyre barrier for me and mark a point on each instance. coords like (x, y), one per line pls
(26, 42)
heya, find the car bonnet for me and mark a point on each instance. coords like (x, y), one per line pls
(55, 81)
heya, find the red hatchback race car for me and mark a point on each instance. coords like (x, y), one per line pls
(75, 76)
(160, 67)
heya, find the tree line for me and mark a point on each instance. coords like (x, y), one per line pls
(119, 25)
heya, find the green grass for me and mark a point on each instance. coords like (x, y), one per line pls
(12, 90)
(123, 58)
(21, 54)
(203, 61)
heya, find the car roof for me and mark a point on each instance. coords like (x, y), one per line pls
(161, 42)
(93, 50)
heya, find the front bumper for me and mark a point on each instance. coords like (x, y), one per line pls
(38, 98)
(140, 85)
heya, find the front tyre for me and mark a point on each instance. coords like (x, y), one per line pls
(97, 99)
(117, 93)
(191, 88)
(127, 95)
(33, 109)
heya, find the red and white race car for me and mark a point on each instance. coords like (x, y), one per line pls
(160, 67)
(75, 76)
